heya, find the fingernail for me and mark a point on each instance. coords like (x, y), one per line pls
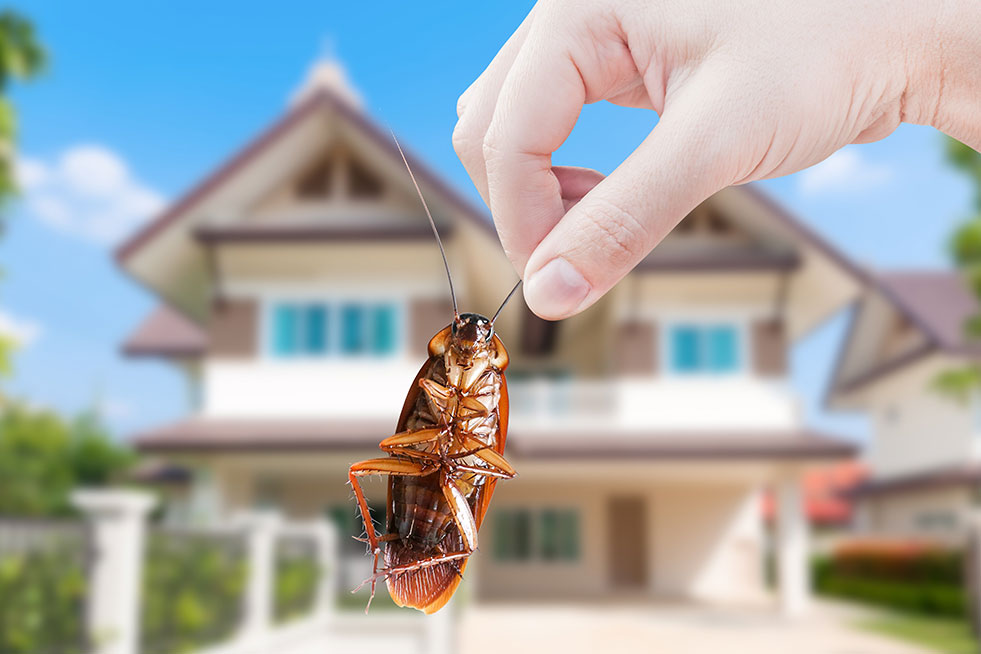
(556, 289)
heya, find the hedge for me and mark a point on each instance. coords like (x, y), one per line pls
(919, 578)
(193, 589)
(297, 582)
(42, 595)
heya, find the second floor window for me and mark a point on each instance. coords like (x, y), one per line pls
(310, 329)
(704, 348)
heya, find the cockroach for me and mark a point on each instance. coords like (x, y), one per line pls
(444, 460)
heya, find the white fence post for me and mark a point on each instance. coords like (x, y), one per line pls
(441, 630)
(118, 519)
(328, 559)
(262, 527)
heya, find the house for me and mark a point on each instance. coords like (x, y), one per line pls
(907, 328)
(300, 284)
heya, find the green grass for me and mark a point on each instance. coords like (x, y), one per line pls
(942, 635)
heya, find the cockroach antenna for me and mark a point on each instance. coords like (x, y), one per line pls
(432, 223)
(501, 308)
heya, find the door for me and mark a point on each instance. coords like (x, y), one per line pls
(627, 542)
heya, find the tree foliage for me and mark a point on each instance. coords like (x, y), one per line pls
(965, 249)
(43, 457)
(22, 57)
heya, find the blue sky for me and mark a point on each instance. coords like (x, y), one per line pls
(154, 94)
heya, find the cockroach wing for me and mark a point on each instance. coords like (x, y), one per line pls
(430, 589)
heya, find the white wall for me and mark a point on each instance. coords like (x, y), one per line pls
(708, 542)
(704, 542)
(942, 513)
(917, 429)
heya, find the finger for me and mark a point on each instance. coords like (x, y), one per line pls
(536, 110)
(575, 183)
(686, 158)
(475, 107)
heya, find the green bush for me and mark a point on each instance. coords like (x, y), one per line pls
(297, 580)
(42, 595)
(192, 592)
(933, 600)
(920, 579)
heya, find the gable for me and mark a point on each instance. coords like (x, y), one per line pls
(275, 182)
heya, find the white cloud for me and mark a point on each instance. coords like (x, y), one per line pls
(846, 171)
(88, 191)
(22, 331)
(114, 408)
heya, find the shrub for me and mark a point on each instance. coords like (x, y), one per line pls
(192, 591)
(42, 594)
(297, 579)
(916, 577)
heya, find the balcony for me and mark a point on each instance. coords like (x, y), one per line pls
(375, 390)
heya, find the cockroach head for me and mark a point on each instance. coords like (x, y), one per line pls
(472, 330)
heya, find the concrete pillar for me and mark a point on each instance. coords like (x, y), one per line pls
(118, 523)
(441, 630)
(328, 558)
(261, 528)
(793, 546)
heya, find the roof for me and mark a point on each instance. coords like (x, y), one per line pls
(937, 302)
(322, 98)
(167, 333)
(305, 233)
(235, 435)
(944, 477)
(747, 261)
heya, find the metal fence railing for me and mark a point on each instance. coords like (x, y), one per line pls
(43, 586)
(193, 588)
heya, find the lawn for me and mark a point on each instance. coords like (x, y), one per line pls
(943, 635)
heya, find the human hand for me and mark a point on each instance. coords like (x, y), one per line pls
(744, 90)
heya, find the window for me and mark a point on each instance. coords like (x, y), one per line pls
(299, 329)
(321, 329)
(697, 348)
(936, 521)
(547, 535)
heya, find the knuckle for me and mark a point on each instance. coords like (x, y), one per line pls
(623, 237)
(463, 142)
(493, 144)
(461, 103)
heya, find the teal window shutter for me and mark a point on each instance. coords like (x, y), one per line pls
(685, 349)
(353, 329)
(315, 333)
(285, 323)
(383, 329)
(723, 348)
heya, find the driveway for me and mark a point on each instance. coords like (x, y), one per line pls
(588, 629)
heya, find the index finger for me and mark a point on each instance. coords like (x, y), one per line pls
(537, 108)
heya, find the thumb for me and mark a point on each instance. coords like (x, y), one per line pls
(686, 158)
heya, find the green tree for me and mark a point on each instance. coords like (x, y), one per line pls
(965, 248)
(22, 57)
(43, 457)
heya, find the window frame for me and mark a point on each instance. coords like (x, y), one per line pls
(333, 304)
(568, 554)
(740, 327)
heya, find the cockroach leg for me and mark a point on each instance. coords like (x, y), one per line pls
(406, 438)
(386, 466)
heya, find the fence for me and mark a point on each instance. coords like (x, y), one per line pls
(113, 584)
(43, 585)
(249, 587)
